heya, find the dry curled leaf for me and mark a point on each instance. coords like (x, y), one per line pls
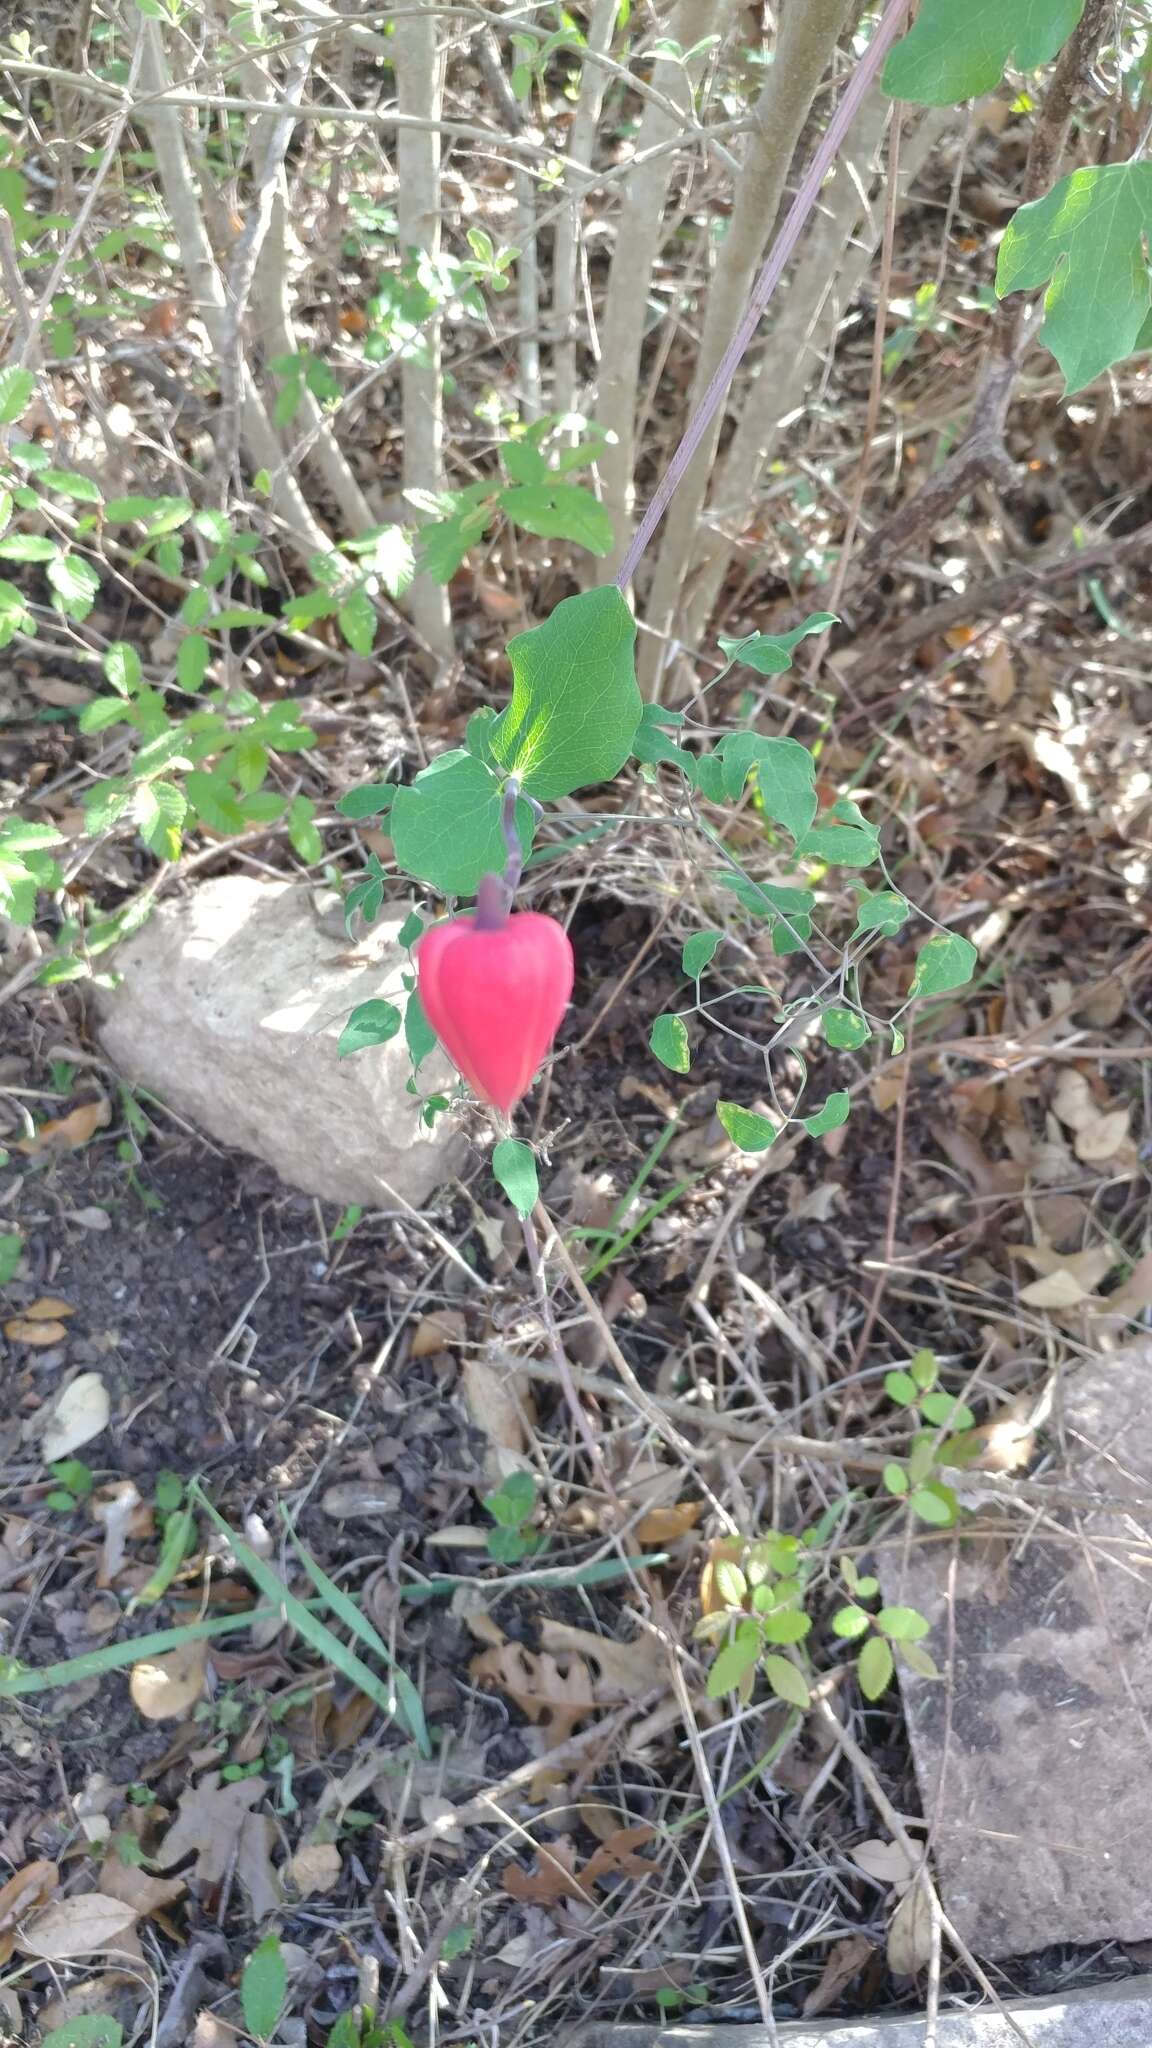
(315, 1867)
(137, 1888)
(48, 1308)
(555, 1875)
(23, 1894)
(441, 1331)
(910, 1933)
(884, 1861)
(164, 1688)
(20, 1330)
(668, 1525)
(79, 1412)
(845, 1959)
(620, 1671)
(554, 1692)
(1102, 1138)
(68, 1133)
(209, 1820)
(75, 1927)
(496, 1397)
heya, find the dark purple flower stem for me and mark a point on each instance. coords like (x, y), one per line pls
(497, 893)
(831, 144)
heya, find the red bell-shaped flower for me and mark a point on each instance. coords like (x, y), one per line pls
(494, 994)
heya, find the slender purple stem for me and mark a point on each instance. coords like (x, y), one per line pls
(849, 105)
(497, 893)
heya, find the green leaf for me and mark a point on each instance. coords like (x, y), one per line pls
(901, 1388)
(192, 658)
(524, 464)
(885, 912)
(122, 667)
(371, 1023)
(699, 952)
(445, 542)
(895, 1478)
(16, 388)
(923, 1368)
(87, 2030)
(413, 928)
(419, 1036)
(748, 1130)
(102, 712)
(850, 846)
(787, 1683)
(69, 483)
(787, 1625)
(306, 840)
(850, 1622)
(785, 777)
(560, 512)
(770, 654)
(946, 962)
(935, 1503)
(446, 826)
(734, 1662)
(835, 1112)
(28, 547)
(846, 1029)
(514, 1165)
(1088, 236)
(264, 1987)
(958, 48)
(945, 1412)
(369, 801)
(214, 803)
(11, 1247)
(874, 1668)
(248, 762)
(575, 702)
(902, 1624)
(356, 618)
(668, 1039)
(920, 1660)
(76, 584)
(393, 558)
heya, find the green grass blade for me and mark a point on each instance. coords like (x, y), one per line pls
(307, 1624)
(341, 1605)
(114, 1656)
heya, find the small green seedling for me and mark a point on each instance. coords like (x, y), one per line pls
(758, 1603)
(914, 1480)
(903, 1627)
(74, 1482)
(512, 1507)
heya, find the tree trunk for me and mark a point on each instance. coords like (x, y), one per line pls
(639, 232)
(805, 45)
(419, 78)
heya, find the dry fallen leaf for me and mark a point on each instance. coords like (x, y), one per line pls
(23, 1894)
(495, 1396)
(845, 1959)
(998, 674)
(209, 1820)
(21, 1331)
(1102, 1138)
(68, 1133)
(80, 1411)
(137, 1888)
(75, 1927)
(620, 1671)
(885, 1861)
(556, 1877)
(667, 1525)
(164, 1688)
(315, 1867)
(910, 1934)
(48, 1308)
(441, 1331)
(115, 1515)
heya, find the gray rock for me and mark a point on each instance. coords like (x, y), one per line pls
(229, 1008)
(1114, 2016)
(1034, 1757)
